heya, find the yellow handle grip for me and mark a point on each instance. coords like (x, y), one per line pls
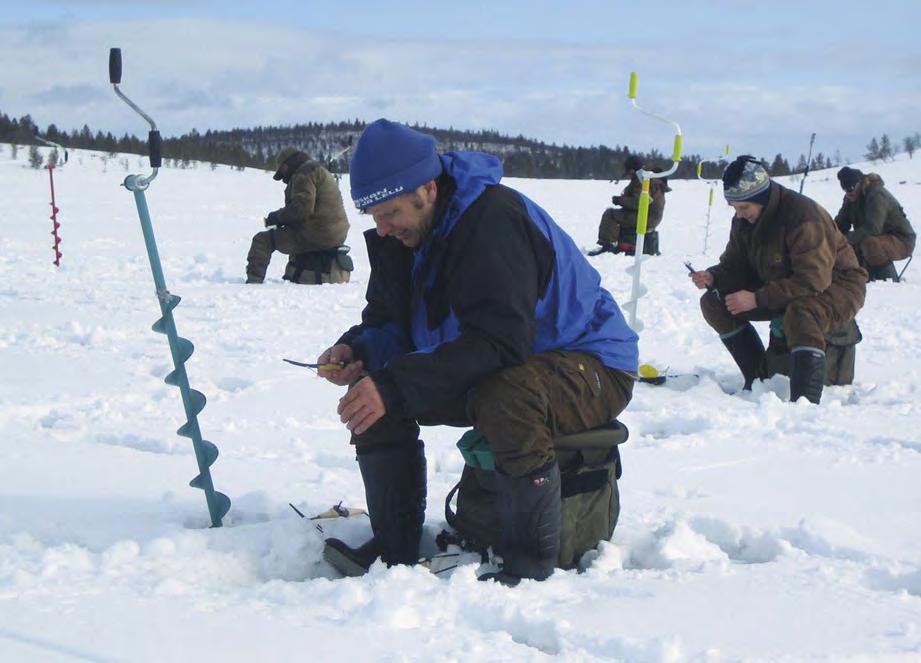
(642, 213)
(676, 154)
(700, 165)
(711, 198)
(632, 92)
(727, 149)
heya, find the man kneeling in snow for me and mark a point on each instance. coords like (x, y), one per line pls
(785, 257)
(481, 311)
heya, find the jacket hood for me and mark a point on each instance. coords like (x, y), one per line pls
(473, 172)
(873, 179)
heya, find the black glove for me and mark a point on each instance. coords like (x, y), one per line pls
(615, 200)
(272, 219)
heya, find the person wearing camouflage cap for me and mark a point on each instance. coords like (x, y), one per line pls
(311, 227)
(785, 260)
(624, 216)
(874, 222)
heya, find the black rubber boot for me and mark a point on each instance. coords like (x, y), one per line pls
(807, 373)
(351, 562)
(395, 489)
(529, 510)
(747, 350)
(604, 248)
(884, 273)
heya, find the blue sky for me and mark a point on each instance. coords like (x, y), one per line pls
(760, 76)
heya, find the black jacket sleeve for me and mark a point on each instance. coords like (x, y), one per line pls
(387, 295)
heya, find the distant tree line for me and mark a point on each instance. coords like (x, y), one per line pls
(330, 142)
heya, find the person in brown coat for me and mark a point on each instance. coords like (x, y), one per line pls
(614, 220)
(874, 222)
(785, 257)
(310, 228)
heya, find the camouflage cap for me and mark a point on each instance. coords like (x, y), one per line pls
(745, 179)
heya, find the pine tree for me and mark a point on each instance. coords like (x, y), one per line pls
(885, 148)
(35, 157)
(911, 144)
(779, 166)
(872, 152)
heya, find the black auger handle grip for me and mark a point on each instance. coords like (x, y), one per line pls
(155, 146)
(115, 66)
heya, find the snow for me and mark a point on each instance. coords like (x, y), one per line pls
(751, 529)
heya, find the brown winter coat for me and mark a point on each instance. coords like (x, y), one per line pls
(875, 212)
(792, 251)
(629, 200)
(313, 208)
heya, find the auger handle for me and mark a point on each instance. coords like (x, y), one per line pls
(115, 66)
(676, 147)
(154, 142)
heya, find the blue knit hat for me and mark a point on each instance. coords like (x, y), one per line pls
(391, 159)
(746, 179)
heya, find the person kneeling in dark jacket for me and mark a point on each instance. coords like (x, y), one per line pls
(481, 312)
(874, 222)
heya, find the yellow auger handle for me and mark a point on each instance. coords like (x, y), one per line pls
(642, 213)
(676, 153)
(633, 82)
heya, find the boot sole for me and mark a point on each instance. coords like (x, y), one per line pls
(343, 564)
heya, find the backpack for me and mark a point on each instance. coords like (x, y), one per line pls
(590, 466)
(840, 352)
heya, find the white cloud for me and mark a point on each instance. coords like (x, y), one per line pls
(210, 74)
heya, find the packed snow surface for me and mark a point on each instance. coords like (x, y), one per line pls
(751, 528)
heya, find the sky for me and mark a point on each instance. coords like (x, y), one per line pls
(759, 77)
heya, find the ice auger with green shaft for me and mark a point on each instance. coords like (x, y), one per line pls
(180, 348)
(712, 184)
(642, 215)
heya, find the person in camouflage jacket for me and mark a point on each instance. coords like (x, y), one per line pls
(785, 257)
(313, 221)
(874, 222)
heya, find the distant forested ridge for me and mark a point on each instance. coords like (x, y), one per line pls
(330, 142)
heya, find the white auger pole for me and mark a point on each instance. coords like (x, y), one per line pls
(710, 196)
(643, 213)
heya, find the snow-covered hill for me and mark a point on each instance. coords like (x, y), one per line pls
(751, 528)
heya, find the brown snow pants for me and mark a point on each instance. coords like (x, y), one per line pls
(521, 409)
(877, 250)
(806, 321)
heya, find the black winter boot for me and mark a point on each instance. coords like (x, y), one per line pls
(529, 510)
(807, 373)
(395, 489)
(884, 273)
(747, 350)
(351, 562)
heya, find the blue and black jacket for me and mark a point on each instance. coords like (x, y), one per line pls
(496, 281)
